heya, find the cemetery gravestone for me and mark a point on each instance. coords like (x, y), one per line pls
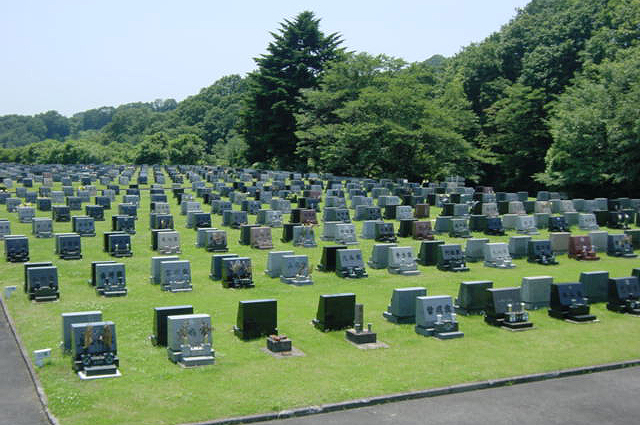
(41, 227)
(497, 255)
(94, 350)
(111, 279)
(402, 308)
(472, 297)
(335, 312)
(580, 248)
(42, 283)
(189, 340)
(159, 328)
(350, 264)
(401, 260)
(624, 295)
(451, 258)
(595, 284)
(536, 291)
(435, 317)
(237, 272)
(568, 302)
(504, 308)
(256, 318)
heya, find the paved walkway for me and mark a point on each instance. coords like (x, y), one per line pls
(598, 398)
(19, 402)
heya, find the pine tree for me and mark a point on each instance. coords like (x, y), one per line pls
(294, 62)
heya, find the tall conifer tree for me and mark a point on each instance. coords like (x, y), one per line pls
(294, 61)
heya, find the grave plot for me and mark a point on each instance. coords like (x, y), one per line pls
(189, 341)
(435, 317)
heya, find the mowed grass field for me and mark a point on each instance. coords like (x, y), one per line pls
(245, 380)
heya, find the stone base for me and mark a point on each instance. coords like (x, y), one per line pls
(344, 242)
(517, 326)
(403, 272)
(543, 262)
(243, 283)
(278, 346)
(500, 265)
(262, 246)
(621, 308)
(453, 269)
(448, 335)
(465, 312)
(369, 346)
(45, 298)
(440, 335)
(217, 249)
(296, 281)
(375, 265)
(363, 337)
(398, 319)
(87, 235)
(386, 239)
(168, 288)
(459, 235)
(99, 372)
(533, 231)
(71, 256)
(573, 318)
(294, 352)
(622, 255)
(581, 321)
(350, 274)
(195, 361)
(535, 306)
(165, 251)
(118, 293)
(470, 259)
(191, 361)
(121, 254)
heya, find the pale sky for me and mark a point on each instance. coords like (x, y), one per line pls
(75, 55)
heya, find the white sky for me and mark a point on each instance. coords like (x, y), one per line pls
(74, 55)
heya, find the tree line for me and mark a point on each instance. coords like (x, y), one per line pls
(551, 100)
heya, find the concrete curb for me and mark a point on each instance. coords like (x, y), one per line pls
(412, 395)
(27, 361)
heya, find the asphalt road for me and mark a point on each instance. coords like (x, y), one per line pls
(19, 403)
(597, 398)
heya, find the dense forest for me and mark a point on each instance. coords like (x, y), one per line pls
(551, 100)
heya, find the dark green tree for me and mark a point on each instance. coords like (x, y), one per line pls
(596, 131)
(152, 149)
(295, 60)
(186, 149)
(57, 126)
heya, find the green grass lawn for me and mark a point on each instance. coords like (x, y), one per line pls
(245, 380)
